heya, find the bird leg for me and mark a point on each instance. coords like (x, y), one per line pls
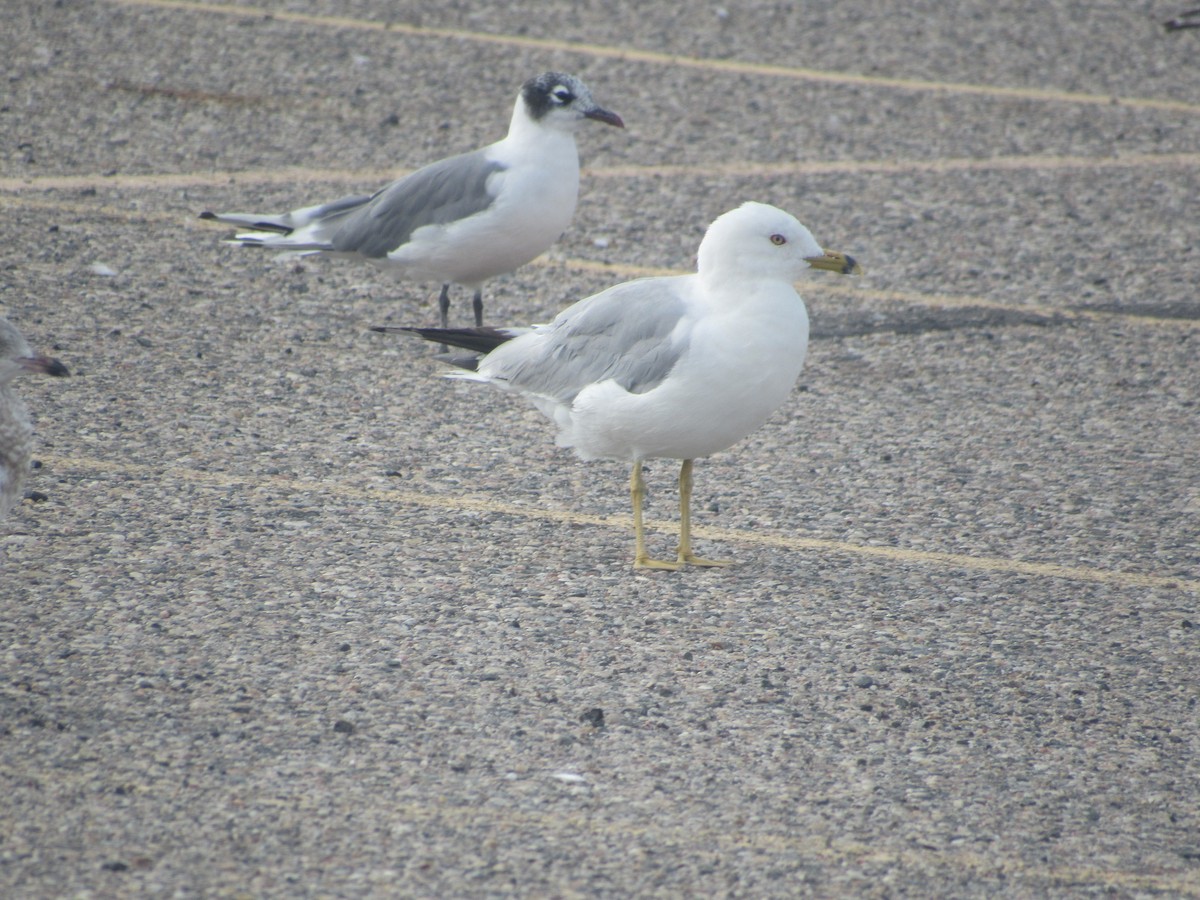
(641, 559)
(685, 521)
(477, 303)
(444, 309)
(444, 305)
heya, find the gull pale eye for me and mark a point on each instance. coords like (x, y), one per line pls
(778, 240)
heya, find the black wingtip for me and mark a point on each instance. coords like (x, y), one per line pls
(44, 365)
(482, 340)
(208, 215)
(1187, 19)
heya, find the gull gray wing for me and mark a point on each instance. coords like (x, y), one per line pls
(628, 333)
(445, 191)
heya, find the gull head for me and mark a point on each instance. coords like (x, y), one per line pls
(760, 240)
(560, 101)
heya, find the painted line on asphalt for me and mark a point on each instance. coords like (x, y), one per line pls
(475, 503)
(1184, 882)
(623, 271)
(629, 54)
(907, 298)
(291, 175)
(1038, 162)
(372, 178)
(105, 210)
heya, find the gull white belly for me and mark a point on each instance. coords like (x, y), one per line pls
(530, 212)
(728, 383)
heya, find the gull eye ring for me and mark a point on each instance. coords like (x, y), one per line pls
(778, 240)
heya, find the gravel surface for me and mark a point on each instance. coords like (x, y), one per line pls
(290, 615)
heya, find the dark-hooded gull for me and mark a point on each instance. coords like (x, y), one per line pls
(463, 219)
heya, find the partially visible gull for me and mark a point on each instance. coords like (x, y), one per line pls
(673, 367)
(463, 219)
(16, 433)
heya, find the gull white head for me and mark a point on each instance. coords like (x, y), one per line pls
(561, 102)
(763, 241)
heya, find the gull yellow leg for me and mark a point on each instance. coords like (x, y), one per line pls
(685, 521)
(641, 559)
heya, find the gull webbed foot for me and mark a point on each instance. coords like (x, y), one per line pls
(646, 562)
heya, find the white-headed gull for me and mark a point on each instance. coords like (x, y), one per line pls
(671, 367)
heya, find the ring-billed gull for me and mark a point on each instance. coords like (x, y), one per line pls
(16, 432)
(463, 219)
(675, 367)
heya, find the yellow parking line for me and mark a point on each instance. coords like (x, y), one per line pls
(938, 166)
(1179, 882)
(622, 271)
(105, 211)
(172, 180)
(908, 298)
(797, 844)
(487, 504)
(369, 178)
(669, 59)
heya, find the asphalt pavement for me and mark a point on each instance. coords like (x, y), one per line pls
(287, 614)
